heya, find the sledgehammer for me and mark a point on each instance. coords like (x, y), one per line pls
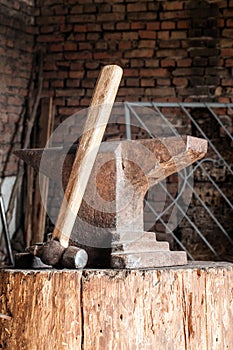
(56, 251)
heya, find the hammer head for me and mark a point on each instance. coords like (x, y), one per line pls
(51, 254)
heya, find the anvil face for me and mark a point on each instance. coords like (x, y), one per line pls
(111, 213)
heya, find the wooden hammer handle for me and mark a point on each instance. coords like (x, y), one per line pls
(97, 119)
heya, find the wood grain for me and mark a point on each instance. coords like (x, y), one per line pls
(35, 212)
(98, 115)
(181, 308)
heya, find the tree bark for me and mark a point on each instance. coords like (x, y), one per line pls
(188, 307)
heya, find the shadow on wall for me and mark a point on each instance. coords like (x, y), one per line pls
(204, 48)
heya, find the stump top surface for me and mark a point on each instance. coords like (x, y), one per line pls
(197, 265)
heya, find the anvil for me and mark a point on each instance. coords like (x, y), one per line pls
(110, 224)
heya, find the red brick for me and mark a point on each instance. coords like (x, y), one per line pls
(88, 83)
(70, 92)
(168, 62)
(168, 25)
(76, 74)
(81, 55)
(83, 18)
(165, 35)
(146, 44)
(113, 36)
(132, 82)
(47, 29)
(15, 101)
(227, 82)
(80, 28)
(227, 52)
(84, 46)
(56, 75)
(72, 83)
(228, 12)
(137, 63)
(89, 8)
(106, 55)
(153, 25)
(131, 72)
(183, 24)
(123, 26)
(160, 92)
(137, 7)
(91, 65)
(137, 25)
(85, 102)
(173, 5)
(57, 83)
(147, 34)
(104, 7)
(172, 53)
(184, 62)
(229, 23)
(80, 37)
(130, 91)
(156, 72)
(77, 9)
(50, 38)
(124, 45)
(180, 82)
(224, 100)
(148, 82)
(70, 46)
(77, 65)
(130, 36)
(118, 8)
(229, 63)
(101, 45)
(92, 36)
(169, 44)
(163, 82)
(151, 63)
(94, 27)
(109, 17)
(179, 34)
(227, 33)
(166, 15)
(60, 10)
(108, 26)
(47, 20)
(146, 53)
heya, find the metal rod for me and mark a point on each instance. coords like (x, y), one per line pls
(185, 104)
(183, 107)
(127, 122)
(197, 196)
(5, 230)
(220, 122)
(204, 135)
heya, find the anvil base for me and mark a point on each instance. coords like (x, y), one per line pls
(145, 252)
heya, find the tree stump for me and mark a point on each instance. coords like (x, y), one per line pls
(189, 307)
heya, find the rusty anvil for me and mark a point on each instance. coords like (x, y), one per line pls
(109, 224)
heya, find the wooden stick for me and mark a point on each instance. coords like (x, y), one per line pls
(46, 123)
(98, 115)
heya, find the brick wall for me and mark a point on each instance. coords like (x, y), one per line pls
(16, 47)
(170, 50)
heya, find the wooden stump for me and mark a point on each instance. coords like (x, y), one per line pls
(188, 307)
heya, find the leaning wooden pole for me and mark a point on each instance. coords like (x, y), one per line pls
(168, 308)
(97, 119)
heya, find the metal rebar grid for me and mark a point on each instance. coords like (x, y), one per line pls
(217, 157)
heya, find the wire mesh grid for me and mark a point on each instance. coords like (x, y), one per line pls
(205, 228)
